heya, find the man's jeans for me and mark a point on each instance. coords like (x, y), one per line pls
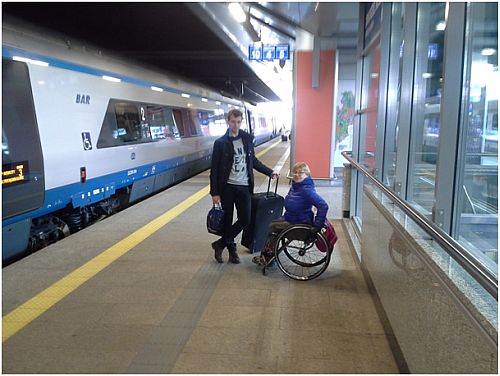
(239, 196)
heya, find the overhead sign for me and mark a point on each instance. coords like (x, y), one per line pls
(269, 52)
(282, 52)
(255, 52)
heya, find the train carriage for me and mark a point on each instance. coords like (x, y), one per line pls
(84, 135)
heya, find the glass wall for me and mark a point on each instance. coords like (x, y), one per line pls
(394, 93)
(425, 122)
(478, 172)
(440, 149)
(369, 100)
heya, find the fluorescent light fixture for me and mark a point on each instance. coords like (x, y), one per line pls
(185, 95)
(156, 88)
(204, 99)
(256, 13)
(488, 51)
(426, 75)
(112, 79)
(237, 12)
(374, 75)
(228, 105)
(190, 104)
(31, 61)
(41, 82)
(441, 25)
(217, 103)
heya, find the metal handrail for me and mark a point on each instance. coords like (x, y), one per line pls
(468, 261)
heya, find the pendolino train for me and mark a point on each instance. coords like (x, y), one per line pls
(84, 135)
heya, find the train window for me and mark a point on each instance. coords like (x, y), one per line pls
(194, 123)
(218, 126)
(128, 124)
(131, 122)
(179, 121)
(206, 121)
(124, 123)
(161, 123)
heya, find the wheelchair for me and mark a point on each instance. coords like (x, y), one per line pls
(300, 254)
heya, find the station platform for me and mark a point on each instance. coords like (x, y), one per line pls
(140, 292)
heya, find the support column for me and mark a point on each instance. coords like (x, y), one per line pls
(314, 106)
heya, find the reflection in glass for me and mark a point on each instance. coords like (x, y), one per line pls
(369, 97)
(478, 185)
(426, 106)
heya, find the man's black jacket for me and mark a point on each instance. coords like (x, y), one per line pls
(222, 162)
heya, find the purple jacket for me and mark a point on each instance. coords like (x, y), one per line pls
(299, 202)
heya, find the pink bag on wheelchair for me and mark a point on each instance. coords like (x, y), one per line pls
(330, 236)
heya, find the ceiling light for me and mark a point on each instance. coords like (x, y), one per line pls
(204, 99)
(156, 88)
(256, 13)
(185, 95)
(426, 75)
(441, 25)
(488, 51)
(112, 79)
(237, 12)
(217, 103)
(31, 61)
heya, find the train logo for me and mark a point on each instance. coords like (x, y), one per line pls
(82, 99)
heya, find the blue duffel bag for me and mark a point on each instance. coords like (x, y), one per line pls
(215, 220)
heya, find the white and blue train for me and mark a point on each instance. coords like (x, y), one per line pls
(84, 135)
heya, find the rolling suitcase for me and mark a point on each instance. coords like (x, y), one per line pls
(266, 206)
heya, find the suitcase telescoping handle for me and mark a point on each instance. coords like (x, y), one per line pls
(269, 186)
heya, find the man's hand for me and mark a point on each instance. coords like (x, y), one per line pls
(274, 175)
(216, 200)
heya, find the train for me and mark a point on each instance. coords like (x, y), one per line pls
(87, 133)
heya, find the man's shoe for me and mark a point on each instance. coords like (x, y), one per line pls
(217, 251)
(233, 258)
(259, 260)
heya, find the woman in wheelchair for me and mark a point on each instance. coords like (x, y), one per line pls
(299, 201)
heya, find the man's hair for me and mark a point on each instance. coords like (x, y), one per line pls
(235, 113)
(301, 166)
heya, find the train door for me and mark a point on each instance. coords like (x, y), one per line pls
(23, 182)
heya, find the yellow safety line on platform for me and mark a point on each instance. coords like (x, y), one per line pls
(30, 310)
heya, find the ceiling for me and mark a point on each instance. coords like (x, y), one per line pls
(197, 40)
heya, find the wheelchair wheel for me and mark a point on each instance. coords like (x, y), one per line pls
(298, 256)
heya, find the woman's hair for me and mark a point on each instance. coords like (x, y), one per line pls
(235, 113)
(302, 166)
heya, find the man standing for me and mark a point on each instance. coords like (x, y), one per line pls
(232, 181)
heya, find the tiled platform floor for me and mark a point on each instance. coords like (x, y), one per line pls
(167, 307)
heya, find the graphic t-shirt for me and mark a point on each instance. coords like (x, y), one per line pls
(239, 173)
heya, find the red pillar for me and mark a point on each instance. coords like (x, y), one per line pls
(313, 112)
